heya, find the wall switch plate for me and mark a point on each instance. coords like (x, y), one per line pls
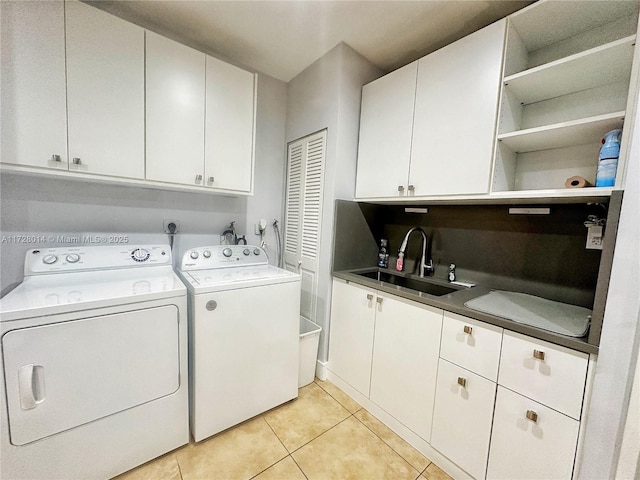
(594, 237)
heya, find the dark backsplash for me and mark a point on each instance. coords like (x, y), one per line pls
(541, 255)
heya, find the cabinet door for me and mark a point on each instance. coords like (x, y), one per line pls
(522, 448)
(175, 86)
(352, 327)
(105, 88)
(229, 127)
(462, 417)
(405, 361)
(455, 115)
(33, 90)
(384, 146)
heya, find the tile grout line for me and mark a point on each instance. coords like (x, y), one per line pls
(387, 444)
(420, 473)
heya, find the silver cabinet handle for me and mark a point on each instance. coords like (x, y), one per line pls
(379, 300)
(462, 382)
(539, 354)
(76, 161)
(533, 416)
(56, 158)
(468, 330)
(210, 180)
(198, 178)
(412, 188)
(369, 296)
(400, 189)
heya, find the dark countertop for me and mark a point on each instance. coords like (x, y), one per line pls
(454, 302)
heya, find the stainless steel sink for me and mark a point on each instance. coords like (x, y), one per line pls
(424, 286)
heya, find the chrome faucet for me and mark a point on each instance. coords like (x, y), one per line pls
(423, 261)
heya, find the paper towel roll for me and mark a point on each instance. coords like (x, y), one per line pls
(577, 182)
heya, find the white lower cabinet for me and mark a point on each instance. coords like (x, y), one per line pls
(498, 404)
(530, 441)
(462, 417)
(351, 337)
(405, 361)
(387, 349)
(551, 374)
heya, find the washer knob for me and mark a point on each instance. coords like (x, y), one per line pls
(206, 254)
(194, 254)
(256, 251)
(73, 258)
(246, 251)
(50, 259)
(140, 255)
(227, 252)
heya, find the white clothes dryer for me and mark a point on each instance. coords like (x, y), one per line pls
(244, 335)
(94, 362)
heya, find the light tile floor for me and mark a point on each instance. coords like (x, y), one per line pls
(323, 434)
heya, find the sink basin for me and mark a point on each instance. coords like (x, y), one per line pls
(423, 286)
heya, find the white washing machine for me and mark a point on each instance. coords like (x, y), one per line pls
(244, 335)
(93, 363)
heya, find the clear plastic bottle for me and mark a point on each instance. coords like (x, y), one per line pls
(383, 254)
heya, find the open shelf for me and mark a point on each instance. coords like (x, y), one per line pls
(565, 134)
(554, 193)
(602, 65)
(567, 72)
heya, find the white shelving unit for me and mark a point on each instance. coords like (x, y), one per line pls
(566, 83)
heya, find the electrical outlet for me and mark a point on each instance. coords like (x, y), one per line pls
(594, 238)
(260, 227)
(166, 223)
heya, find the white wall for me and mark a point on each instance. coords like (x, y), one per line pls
(46, 206)
(269, 177)
(606, 415)
(327, 95)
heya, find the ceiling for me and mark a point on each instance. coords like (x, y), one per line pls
(281, 38)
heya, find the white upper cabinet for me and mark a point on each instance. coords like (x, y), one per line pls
(428, 129)
(229, 126)
(175, 87)
(105, 88)
(33, 114)
(455, 115)
(386, 121)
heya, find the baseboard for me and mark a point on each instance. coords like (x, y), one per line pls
(321, 370)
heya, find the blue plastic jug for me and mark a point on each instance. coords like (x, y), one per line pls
(608, 159)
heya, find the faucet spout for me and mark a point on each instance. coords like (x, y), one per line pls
(423, 260)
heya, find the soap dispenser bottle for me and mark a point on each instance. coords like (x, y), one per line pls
(383, 254)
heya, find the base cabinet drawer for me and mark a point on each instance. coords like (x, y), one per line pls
(550, 374)
(530, 441)
(462, 417)
(471, 344)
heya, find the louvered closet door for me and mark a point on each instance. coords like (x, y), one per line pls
(305, 178)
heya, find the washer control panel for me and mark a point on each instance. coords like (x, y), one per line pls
(222, 256)
(81, 258)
